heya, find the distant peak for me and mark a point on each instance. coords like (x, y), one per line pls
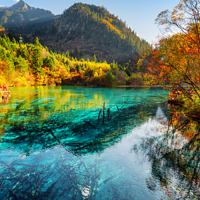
(2, 7)
(20, 4)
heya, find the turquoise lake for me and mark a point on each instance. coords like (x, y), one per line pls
(63, 143)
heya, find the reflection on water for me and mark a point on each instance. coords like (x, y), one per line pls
(55, 145)
(174, 156)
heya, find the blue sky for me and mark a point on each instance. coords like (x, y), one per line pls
(139, 15)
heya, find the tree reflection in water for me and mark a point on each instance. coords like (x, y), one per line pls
(174, 156)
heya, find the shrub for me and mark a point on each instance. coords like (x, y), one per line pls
(109, 78)
(50, 62)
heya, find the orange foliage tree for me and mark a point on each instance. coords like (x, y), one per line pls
(176, 61)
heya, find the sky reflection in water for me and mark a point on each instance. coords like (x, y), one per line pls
(53, 146)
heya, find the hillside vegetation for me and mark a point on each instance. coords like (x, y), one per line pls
(2, 28)
(86, 30)
(32, 64)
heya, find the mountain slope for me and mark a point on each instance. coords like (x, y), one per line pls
(2, 30)
(87, 30)
(21, 13)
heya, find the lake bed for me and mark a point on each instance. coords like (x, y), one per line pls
(56, 143)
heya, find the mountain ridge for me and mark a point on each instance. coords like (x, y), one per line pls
(83, 30)
(20, 4)
(91, 29)
(20, 13)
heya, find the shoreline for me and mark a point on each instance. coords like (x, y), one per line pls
(96, 86)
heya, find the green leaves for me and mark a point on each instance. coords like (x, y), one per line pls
(21, 65)
(36, 60)
(50, 62)
(109, 78)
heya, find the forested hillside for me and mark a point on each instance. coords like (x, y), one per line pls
(86, 30)
(32, 64)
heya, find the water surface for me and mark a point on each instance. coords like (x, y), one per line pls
(56, 144)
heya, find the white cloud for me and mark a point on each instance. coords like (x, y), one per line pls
(1, 6)
(16, 0)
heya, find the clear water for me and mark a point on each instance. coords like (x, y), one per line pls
(55, 144)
